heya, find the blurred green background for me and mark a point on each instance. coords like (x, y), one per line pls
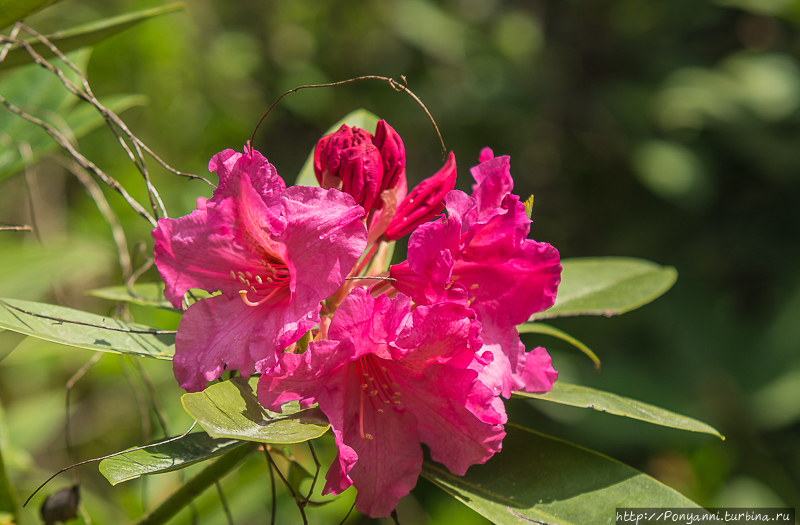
(666, 130)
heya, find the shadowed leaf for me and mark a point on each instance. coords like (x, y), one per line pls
(174, 455)
(540, 479)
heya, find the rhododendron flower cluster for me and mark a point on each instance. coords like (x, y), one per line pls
(423, 356)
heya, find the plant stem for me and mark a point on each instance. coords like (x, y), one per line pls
(195, 486)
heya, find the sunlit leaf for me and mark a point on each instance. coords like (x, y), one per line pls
(360, 118)
(231, 410)
(174, 455)
(146, 294)
(585, 397)
(608, 286)
(540, 479)
(28, 271)
(529, 207)
(15, 10)
(85, 35)
(76, 328)
(546, 329)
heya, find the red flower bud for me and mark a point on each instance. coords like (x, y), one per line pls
(348, 160)
(354, 161)
(425, 201)
(393, 154)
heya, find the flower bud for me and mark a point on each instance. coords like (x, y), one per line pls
(424, 202)
(393, 155)
(348, 160)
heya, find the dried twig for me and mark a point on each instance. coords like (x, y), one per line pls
(395, 85)
(300, 503)
(109, 456)
(16, 228)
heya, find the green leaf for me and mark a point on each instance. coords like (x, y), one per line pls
(174, 455)
(546, 329)
(231, 410)
(12, 11)
(529, 207)
(28, 271)
(147, 294)
(585, 397)
(85, 35)
(360, 118)
(537, 477)
(608, 286)
(104, 333)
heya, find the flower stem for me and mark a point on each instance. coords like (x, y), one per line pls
(195, 486)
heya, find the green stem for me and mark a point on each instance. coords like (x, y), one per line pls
(195, 486)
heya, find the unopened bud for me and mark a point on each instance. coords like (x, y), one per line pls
(348, 160)
(393, 155)
(424, 202)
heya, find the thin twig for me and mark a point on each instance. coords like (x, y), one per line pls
(70, 384)
(300, 504)
(161, 415)
(348, 513)
(272, 483)
(316, 473)
(109, 456)
(146, 265)
(33, 189)
(369, 278)
(96, 193)
(16, 228)
(224, 502)
(395, 85)
(111, 328)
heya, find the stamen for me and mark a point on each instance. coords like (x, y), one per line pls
(233, 275)
(258, 279)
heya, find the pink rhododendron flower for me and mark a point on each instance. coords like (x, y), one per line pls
(388, 379)
(480, 255)
(425, 202)
(354, 161)
(273, 252)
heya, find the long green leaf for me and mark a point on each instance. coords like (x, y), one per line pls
(585, 397)
(85, 35)
(15, 10)
(541, 479)
(147, 294)
(360, 118)
(174, 455)
(608, 286)
(546, 329)
(84, 330)
(231, 410)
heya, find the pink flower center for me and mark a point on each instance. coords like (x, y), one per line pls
(376, 385)
(263, 285)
